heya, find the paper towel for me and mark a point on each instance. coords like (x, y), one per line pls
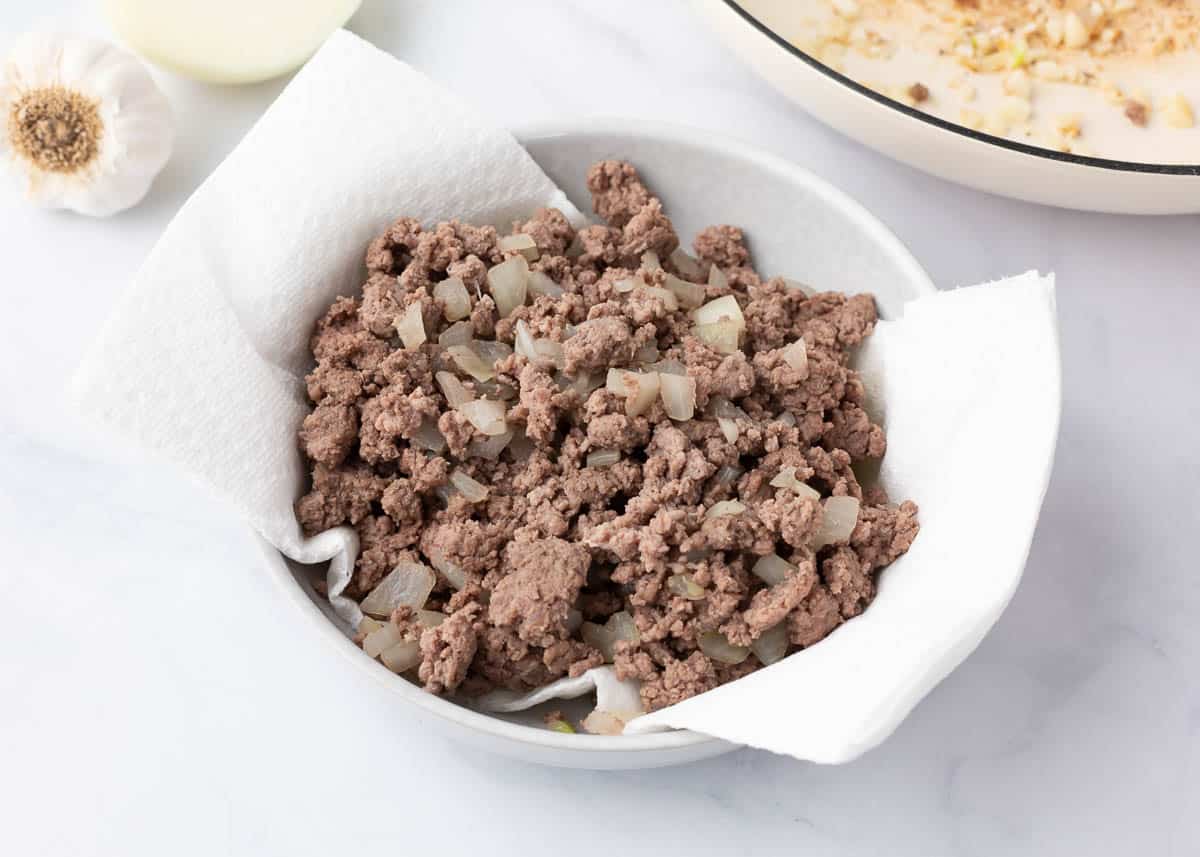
(203, 362)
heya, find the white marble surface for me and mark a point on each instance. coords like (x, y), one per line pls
(141, 712)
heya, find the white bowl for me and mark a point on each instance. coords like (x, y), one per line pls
(798, 226)
(945, 149)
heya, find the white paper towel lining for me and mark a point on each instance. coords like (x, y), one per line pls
(203, 360)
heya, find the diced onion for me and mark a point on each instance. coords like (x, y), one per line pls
(474, 492)
(796, 356)
(411, 327)
(838, 522)
(541, 284)
(773, 568)
(381, 639)
(509, 282)
(489, 447)
(727, 474)
(491, 352)
(772, 644)
(407, 585)
(717, 278)
(456, 302)
(725, 307)
(627, 285)
(456, 394)
(690, 295)
(684, 263)
(520, 243)
(668, 367)
(402, 657)
(585, 382)
(486, 415)
(725, 507)
(603, 457)
(620, 627)
(718, 647)
(665, 295)
(721, 336)
(453, 572)
(787, 418)
(786, 478)
(808, 291)
(521, 447)
(603, 723)
(719, 406)
(685, 587)
(428, 436)
(459, 333)
(728, 428)
(470, 362)
(650, 261)
(366, 625)
(495, 390)
(678, 395)
(523, 340)
(638, 388)
(549, 351)
(648, 353)
(430, 618)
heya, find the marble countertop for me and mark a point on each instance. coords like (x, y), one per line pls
(154, 693)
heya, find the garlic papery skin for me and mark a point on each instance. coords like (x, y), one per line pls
(84, 125)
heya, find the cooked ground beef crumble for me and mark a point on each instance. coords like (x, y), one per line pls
(608, 531)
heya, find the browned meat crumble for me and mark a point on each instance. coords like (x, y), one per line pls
(607, 531)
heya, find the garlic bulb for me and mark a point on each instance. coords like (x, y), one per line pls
(85, 127)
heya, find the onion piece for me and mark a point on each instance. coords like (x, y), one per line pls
(685, 264)
(668, 367)
(402, 657)
(541, 284)
(628, 285)
(523, 340)
(722, 336)
(585, 382)
(727, 474)
(685, 587)
(796, 356)
(679, 396)
(549, 351)
(786, 478)
(787, 418)
(452, 388)
(603, 723)
(665, 295)
(469, 361)
(520, 447)
(520, 243)
(456, 301)
(838, 522)
(725, 507)
(453, 572)
(486, 415)
(380, 640)
(603, 457)
(491, 352)
(772, 644)
(459, 333)
(638, 388)
(648, 353)
(429, 436)
(717, 278)
(619, 627)
(650, 261)
(718, 647)
(722, 308)
(808, 291)
(622, 627)
(411, 327)
(366, 625)
(495, 390)
(728, 428)
(474, 492)
(719, 406)
(689, 295)
(430, 618)
(489, 448)
(407, 585)
(773, 568)
(509, 282)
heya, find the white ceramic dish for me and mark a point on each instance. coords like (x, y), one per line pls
(945, 149)
(798, 226)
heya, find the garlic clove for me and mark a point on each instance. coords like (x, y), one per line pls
(84, 125)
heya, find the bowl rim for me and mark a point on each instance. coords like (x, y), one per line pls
(1112, 164)
(583, 744)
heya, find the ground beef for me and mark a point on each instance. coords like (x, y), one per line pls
(560, 539)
